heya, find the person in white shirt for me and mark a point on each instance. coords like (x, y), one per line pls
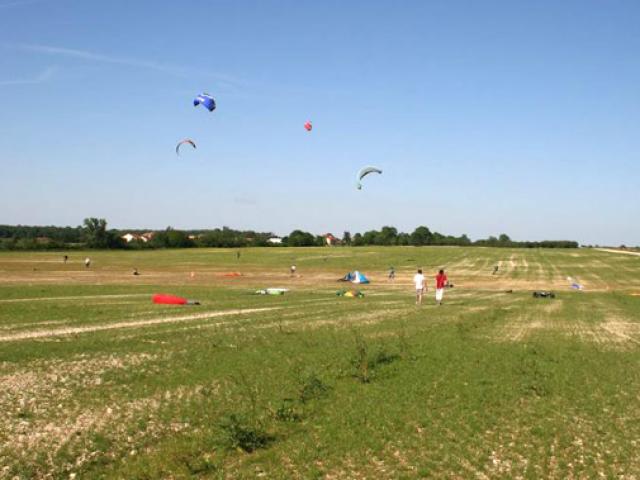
(418, 280)
(87, 262)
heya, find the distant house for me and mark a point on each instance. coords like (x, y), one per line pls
(130, 237)
(330, 240)
(275, 241)
(136, 237)
(147, 236)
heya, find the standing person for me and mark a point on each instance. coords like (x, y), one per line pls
(87, 262)
(441, 283)
(292, 270)
(418, 280)
(238, 255)
(392, 273)
(65, 258)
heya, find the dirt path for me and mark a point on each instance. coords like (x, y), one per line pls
(624, 252)
(139, 323)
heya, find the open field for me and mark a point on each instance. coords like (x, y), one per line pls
(97, 382)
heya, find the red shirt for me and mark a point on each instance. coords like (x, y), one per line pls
(441, 280)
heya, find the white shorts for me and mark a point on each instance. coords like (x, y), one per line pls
(419, 291)
(439, 294)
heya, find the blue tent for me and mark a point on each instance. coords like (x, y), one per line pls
(359, 278)
(355, 277)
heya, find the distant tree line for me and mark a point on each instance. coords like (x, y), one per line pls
(93, 233)
(423, 236)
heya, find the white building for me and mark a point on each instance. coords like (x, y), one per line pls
(130, 237)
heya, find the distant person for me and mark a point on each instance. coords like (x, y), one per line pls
(65, 259)
(292, 270)
(238, 255)
(441, 283)
(87, 262)
(495, 270)
(392, 273)
(418, 280)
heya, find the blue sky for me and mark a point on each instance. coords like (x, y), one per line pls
(486, 117)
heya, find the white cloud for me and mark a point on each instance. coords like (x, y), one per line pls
(90, 56)
(42, 77)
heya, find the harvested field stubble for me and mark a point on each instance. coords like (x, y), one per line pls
(97, 382)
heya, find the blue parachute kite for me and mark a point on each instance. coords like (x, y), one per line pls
(206, 100)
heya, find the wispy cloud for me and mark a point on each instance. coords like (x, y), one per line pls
(89, 56)
(42, 77)
(98, 57)
(17, 3)
(245, 201)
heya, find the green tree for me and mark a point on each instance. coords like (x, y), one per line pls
(404, 239)
(298, 238)
(171, 238)
(465, 240)
(95, 232)
(346, 238)
(493, 241)
(370, 237)
(421, 236)
(504, 239)
(387, 236)
(438, 239)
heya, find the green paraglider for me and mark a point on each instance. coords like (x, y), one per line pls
(364, 172)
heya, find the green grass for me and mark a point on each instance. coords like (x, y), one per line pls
(310, 385)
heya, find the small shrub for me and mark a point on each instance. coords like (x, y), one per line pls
(287, 411)
(238, 433)
(361, 359)
(534, 377)
(366, 362)
(100, 442)
(201, 465)
(403, 343)
(382, 357)
(312, 387)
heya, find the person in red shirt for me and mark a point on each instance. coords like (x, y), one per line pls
(441, 283)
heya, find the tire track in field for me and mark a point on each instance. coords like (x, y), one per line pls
(75, 297)
(130, 324)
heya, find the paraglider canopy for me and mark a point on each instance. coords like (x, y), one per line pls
(181, 142)
(574, 284)
(364, 172)
(308, 126)
(206, 100)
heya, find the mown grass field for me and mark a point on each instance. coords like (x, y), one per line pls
(97, 382)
